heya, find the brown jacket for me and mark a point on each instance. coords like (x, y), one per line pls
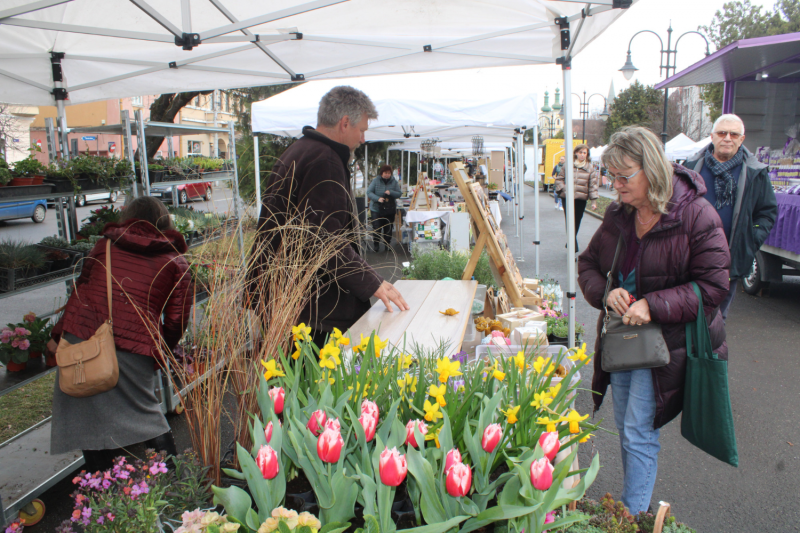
(312, 177)
(586, 182)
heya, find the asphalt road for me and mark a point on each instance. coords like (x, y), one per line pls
(763, 333)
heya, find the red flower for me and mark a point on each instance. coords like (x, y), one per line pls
(411, 438)
(491, 436)
(329, 445)
(453, 458)
(459, 480)
(267, 461)
(317, 422)
(550, 444)
(369, 423)
(278, 395)
(393, 467)
(541, 474)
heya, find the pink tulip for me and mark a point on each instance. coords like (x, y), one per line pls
(453, 458)
(491, 436)
(329, 446)
(541, 474)
(333, 423)
(277, 394)
(459, 480)
(369, 423)
(550, 444)
(370, 408)
(268, 432)
(411, 439)
(392, 467)
(317, 422)
(267, 461)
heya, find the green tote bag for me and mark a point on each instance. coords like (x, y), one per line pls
(707, 420)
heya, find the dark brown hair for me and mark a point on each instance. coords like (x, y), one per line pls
(385, 168)
(150, 210)
(577, 149)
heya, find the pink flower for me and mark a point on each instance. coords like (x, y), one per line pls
(267, 461)
(278, 395)
(491, 436)
(317, 422)
(333, 423)
(393, 467)
(329, 445)
(453, 458)
(30, 317)
(24, 345)
(550, 444)
(459, 480)
(541, 474)
(411, 438)
(369, 423)
(370, 408)
(268, 432)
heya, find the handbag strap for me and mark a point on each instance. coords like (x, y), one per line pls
(698, 338)
(108, 277)
(608, 281)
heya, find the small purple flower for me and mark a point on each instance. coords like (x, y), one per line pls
(460, 357)
(101, 519)
(87, 512)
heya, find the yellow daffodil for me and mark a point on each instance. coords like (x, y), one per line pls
(438, 393)
(586, 438)
(543, 366)
(574, 418)
(272, 370)
(549, 422)
(361, 346)
(519, 361)
(541, 400)
(434, 436)
(341, 340)
(461, 389)
(432, 413)
(380, 345)
(511, 414)
(358, 389)
(296, 353)
(301, 332)
(447, 369)
(329, 356)
(407, 383)
(330, 380)
(580, 354)
(404, 361)
(553, 391)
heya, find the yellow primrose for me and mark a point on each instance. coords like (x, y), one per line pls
(434, 436)
(447, 369)
(586, 438)
(301, 332)
(272, 370)
(573, 418)
(519, 361)
(511, 414)
(550, 423)
(543, 366)
(341, 340)
(404, 361)
(296, 353)
(438, 393)
(541, 400)
(580, 354)
(432, 413)
(329, 356)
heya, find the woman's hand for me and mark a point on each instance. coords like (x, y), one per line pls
(52, 346)
(637, 314)
(387, 192)
(618, 300)
(594, 206)
(381, 199)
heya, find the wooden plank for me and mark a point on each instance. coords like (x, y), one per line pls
(393, 325)
(474, 257)
(430, 327)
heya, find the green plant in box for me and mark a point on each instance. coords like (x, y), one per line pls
(54, 242)
(5, 173)
(16, 254)
(29, 167)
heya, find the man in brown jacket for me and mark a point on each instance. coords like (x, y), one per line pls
(312, 177)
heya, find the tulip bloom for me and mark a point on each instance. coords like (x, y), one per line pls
(333, 423)
(329, 446)
(541, 474)
(277, 395)
(370, 408)
(268, 432)
(453, 458)
(550, 445)
(393, 467)
(411, 439)
(459, 480)
(317, 422)
(369, 424)
(267, 461)
(491, 436)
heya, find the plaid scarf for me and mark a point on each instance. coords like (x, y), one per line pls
(724, 184)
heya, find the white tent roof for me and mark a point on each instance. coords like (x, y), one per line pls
(679, 141)
(452, 148)
(688, 150)
(119, 48)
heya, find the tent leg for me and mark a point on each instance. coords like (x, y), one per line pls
(521, 186)
(506, 185)
(257, 168)
(570, 202)
(535, 164)
(402, 165)
(235, 188)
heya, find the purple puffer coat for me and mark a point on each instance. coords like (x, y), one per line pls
(688, 244)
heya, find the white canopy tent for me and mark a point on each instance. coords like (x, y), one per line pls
(687, 150)
(74, 51)
(676, 143)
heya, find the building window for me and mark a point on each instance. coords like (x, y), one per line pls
(195, 148)
(137, 101)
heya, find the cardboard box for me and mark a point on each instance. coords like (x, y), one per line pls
(518, 317)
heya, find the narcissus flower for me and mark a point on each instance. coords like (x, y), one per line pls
(447, 369)
(549, 422)
(301, 332)
(329, 357)
(491, 436)
(519, 361)
(340, 339)
(380, 345)
(408, 383)
(586, 438)
(550, 444)
(540, 400)
(278, 396)
(541, 474)
(272, 370)
(511, 414)
(544, 366)
(297, 349)
(438, 393)
(392, 467)
(574, 418)
(495, 372)
(432, 413)
(580, 354)
(411, 439)
(434, 436)
(459, 480)
(267, 461)
(404, 361)
(553, 391)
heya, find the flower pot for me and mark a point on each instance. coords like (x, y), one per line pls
(556, 340)
(19, 182)
(16, 367)
(34, 355)
(50, 360)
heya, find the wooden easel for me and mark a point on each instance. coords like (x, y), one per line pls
(423, 203)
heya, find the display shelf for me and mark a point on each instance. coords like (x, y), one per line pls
(58, 277)
(228, 176)
(11, 381)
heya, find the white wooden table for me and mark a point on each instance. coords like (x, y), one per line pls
(422, 325)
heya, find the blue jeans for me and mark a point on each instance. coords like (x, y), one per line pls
(634, 411)
(726, 303)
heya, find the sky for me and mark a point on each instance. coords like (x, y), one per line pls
(599, 63)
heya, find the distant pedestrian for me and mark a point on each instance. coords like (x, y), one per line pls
(587, 181)
(739, 187)
(671, 237)
(383, 193)
(556, 171)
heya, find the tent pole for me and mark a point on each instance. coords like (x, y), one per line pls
(570, 201)
(365, 181)
(535, 164)
(402, 165)
(506, 169)
(235, 187)
(521, 141)
(257, 168)
(516, 185)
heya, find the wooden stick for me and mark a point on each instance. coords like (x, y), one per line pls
(469, 270)
(663, 514)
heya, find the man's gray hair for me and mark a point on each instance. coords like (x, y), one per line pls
(730, 117)
(345, 101)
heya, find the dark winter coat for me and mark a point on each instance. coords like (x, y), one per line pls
(754, 212)
(377, 189)
(312, 177)
(687, 244)
(150, 276)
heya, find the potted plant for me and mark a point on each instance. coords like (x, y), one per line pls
(14, 347)
(156, 173)
(18, 261)
(5, 173)
(28, 171)
(39, 336)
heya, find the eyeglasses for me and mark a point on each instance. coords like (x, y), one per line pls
(623, 179)
(722, 134)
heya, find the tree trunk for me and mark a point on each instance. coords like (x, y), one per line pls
(164, 109)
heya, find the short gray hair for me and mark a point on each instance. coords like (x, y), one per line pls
(344, 101)
(642, 147)
(730, 117)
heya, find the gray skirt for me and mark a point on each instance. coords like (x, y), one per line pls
(127, 414)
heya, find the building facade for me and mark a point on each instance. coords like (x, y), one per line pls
(15, 125)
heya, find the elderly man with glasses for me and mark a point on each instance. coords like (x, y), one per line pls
(740, 189)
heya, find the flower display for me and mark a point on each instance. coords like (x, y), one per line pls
(491, 437)
(574, 418)
(519, 361)
(550, 444)
(541, 474)
(543, 366)
(432, 413)
(580, 354)
(495, 372)
(340, 339)
(329, 445)
(370, 408)
(447, 369)
(411, 439)
(541, 400)
(278, 396)
(317, 422)
(459, 480)
(267, 461)
(392, 467)
(453, 457)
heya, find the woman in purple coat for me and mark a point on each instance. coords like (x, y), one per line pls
(671, 237)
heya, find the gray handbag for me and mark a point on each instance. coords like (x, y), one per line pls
(625, 347)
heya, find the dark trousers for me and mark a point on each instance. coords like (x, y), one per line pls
(580, 207)
(726, 303)
(382, 229)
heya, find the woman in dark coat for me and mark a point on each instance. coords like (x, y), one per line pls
(151, 298)
(671, 237)
(383, 193)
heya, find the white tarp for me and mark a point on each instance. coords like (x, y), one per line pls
(680, 141)
(688, 150)
(119, 48)
(596, 153)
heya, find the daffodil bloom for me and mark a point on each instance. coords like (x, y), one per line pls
(543, 366)
(404, 361)
(341, 340)
(447, 369)
(550, 423)
(358, 389)
(380, 345)
(574, 418)
(329, 356)
(272, 370)
(519, 361)
(361, 346)
(494, 371)
(438, 393)
(408, 382)
(330, 380)
(580, 355)
(296, 353)
(553, 391)
(541, 400)
(301, 332)
(511, 414)
(434, 436)
(432, 413)
(586, 438)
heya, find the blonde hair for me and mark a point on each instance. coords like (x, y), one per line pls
(642, 147)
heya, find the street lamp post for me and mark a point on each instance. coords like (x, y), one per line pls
(667, 63)
(584, 110)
